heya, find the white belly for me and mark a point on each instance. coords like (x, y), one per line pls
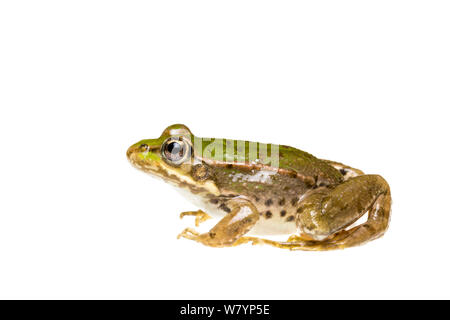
(276, 225)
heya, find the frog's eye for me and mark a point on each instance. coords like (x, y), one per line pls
(175, 151)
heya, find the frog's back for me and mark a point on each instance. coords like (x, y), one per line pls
(307, 165)
(285, 160)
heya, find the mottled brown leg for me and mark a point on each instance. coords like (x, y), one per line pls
(325, 214)
(199, 215)
(233, 226)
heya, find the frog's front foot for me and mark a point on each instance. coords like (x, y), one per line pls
(189, 233)
(199, 215)
(207, 238)
(228, 231)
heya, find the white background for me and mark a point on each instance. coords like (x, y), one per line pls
(364, 83)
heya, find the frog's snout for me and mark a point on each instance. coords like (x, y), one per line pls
(133, 151)
(130, 151)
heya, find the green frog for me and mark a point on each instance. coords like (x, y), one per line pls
(266, 189)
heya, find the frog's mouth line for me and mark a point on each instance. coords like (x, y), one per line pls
(173, 176)
(147, 167)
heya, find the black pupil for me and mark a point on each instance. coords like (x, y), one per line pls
(174, 147)
(174, 151)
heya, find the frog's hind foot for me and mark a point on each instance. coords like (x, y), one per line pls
(293, 243)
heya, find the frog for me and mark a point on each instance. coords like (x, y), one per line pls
(314, 204)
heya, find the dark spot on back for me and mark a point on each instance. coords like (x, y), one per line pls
(290, 218)
(256, 199)
(229, 166)
(214, 201)
(283, 213)
(300, 210)
(343, 171)
(268, 214)
(268, 202)
(294, 201)
(212, 235)
(282, 202)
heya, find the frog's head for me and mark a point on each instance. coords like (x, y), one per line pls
(170, 157)
(171, 151)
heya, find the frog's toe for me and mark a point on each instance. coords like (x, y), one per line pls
(188, 233)
(293, 238)
(242, 240)
(199, 215)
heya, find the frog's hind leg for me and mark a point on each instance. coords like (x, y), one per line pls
(347, 171)
(324, 215)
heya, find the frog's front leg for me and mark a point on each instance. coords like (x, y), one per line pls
(242, 217)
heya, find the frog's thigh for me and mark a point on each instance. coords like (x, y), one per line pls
(242, 217)
(322, 214)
